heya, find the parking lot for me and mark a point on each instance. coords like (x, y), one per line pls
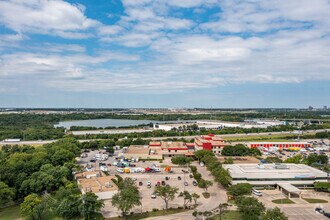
(300, 209)
(217, 195)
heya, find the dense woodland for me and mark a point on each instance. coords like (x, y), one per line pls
(42, 179)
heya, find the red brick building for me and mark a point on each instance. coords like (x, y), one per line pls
(210, 142)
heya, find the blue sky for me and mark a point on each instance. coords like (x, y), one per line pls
(170, 53)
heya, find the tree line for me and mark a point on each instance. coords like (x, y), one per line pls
(42, 179)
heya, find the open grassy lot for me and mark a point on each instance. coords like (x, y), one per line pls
(10, 213)
(229, 215)
(283, 201)
(310, 200)
(275, 138)
(151, 214)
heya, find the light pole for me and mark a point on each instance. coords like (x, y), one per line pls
(83, 201)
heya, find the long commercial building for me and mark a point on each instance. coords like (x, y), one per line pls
(299, 175)
(279, 145)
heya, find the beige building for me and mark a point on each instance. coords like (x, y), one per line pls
(143, 152)
(98, 183)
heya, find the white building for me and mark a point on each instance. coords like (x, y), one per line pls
(299, 175)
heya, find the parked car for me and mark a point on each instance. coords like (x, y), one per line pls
(179, 177)
(319, 210)
(326, 214)
(92, 160)
(191, 176)
(163, 183)
(153, 196)
(140, 183)
(186, 183)
(256, 192)
(167, 178)
(195, 183)
(158, 183)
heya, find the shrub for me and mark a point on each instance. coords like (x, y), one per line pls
(322, 186)
(240, 189)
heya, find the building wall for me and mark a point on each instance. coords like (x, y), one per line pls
(283, 145)
(144, 156)
(106, 195)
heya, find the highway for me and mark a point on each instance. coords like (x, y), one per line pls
(40, 142)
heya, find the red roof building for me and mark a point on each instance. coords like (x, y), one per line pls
(210, 142)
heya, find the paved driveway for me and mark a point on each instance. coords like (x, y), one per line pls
(300, 210)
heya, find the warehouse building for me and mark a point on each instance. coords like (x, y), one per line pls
(279, 145)
(287, 177)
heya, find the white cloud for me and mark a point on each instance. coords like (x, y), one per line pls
(265, 42)
(46, 17)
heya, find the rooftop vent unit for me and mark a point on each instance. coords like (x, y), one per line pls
(281, 166)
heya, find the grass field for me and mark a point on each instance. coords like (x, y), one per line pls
(151, 214)
(229, 215)
(315, 200)
(10, 213)
(283, 201)
(275, 138)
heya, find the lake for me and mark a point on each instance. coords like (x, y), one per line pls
(110, 123)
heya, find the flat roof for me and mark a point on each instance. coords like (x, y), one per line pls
(97, 184)
(269, 171)
(173, 144)
(137, 149)
(289, 187)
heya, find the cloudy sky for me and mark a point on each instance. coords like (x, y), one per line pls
(164, 53)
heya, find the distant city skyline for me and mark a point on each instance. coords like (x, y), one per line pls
(170, 53)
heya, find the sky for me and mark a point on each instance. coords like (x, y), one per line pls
(164, 53)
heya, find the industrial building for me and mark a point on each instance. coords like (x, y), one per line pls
(279, 145)
(214, 125)
(287, 177)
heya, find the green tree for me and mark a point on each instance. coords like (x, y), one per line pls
(7, 194)
(205, 184)
(274, 214)
(187, 198)
(91, 205)
(222, 208)
(295, 159)
(200, 154)
(314, 158)
(31, 206)
(195, 197)
(166, 193)
(127, 197)
(240, 189)
(273, 160)
(322, 186)
(250, 208)
(229, 160)
(181, 160)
